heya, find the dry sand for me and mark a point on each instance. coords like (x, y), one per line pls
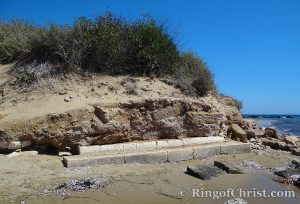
(26, 178)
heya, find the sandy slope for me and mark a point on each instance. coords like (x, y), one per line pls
(42, 98)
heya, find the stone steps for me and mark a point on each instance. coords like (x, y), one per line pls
(174, 154)
(147, 145)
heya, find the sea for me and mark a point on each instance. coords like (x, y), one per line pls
(286, 124)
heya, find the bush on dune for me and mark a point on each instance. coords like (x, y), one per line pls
(53, 45)
(115, 46)
(108, 45)
(14, 38)
(153, 48)
(194, 74)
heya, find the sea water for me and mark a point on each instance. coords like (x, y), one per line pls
(285, 125)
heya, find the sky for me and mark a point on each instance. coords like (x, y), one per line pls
(252, 46)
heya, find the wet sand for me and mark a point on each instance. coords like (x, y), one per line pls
(26, 178)
(166, 190)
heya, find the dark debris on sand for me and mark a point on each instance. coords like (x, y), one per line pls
(81, 185)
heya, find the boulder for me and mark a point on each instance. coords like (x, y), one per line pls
(296, 151)
(250, 134)
(277, 144)
(290, 140)
(203, 172)
(291, 174)
(102, 114)
(287, 173)
(237, 133)
(296, 163)
(229, 168)
(270, 132)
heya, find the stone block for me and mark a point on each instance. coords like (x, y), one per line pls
(180, 155)
(146, 145)
(201, 140)
(76, 161)
(169, 143)
(147, 158)
(26, 143)
(123, 147)
(235, 148)
(206, 151)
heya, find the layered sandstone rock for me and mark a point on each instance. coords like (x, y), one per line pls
(148, 119)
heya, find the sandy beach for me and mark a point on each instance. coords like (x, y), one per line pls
(32, 180)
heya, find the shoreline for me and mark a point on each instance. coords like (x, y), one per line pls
(259, 121)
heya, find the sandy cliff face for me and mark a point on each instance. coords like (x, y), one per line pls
(75, 110)
(146, 119)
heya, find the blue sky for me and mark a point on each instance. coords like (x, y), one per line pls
(252, 46)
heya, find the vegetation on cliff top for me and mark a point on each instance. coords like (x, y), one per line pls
(107, 44)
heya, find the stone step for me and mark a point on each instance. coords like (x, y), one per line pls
(148, 145)
(176, 154)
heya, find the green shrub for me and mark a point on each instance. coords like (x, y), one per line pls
(14, 38)
(197, 73)
(152, 48)
(106, 40)
(50, 45)
(116, 46)
(107, 44)
(80, 51)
